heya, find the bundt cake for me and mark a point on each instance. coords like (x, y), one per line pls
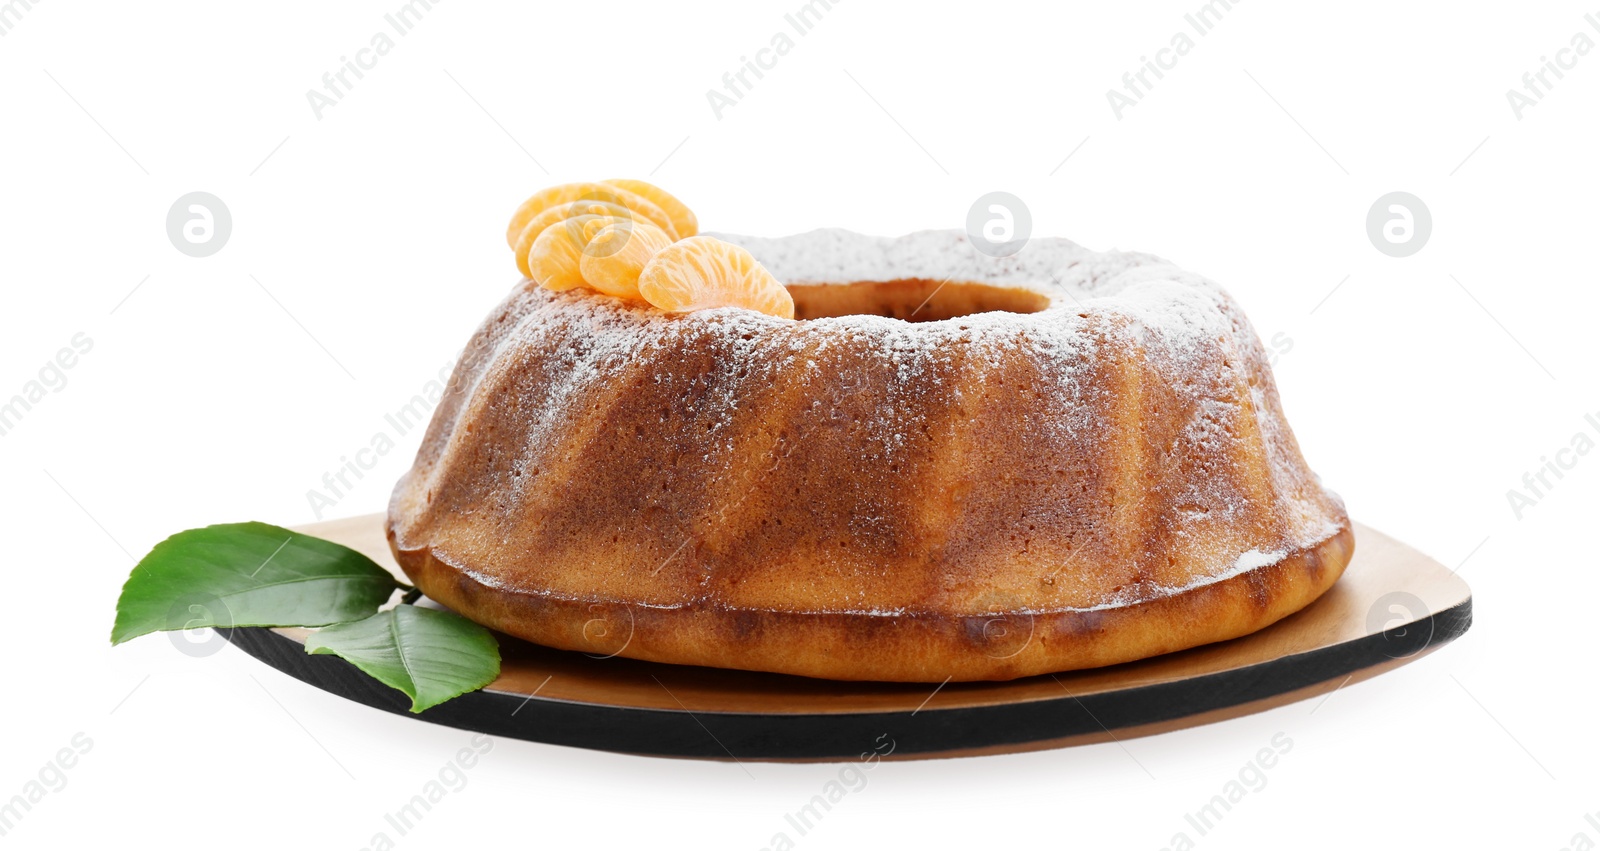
(945, 466)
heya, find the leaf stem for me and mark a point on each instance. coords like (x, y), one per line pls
(412, 595)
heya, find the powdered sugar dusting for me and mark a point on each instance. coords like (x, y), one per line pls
(1177, 316)
(1112, 318)
(1252, 559)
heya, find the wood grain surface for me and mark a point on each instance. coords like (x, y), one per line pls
(1393, 605)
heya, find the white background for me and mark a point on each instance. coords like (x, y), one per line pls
(367, 245)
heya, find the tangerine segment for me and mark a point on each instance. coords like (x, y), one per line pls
(613, 259)
(683, 218)
(566, 193)
(559, 212)
(702, 272)
(553, 257)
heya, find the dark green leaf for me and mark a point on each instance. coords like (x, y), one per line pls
(248, 574)
(430, 655)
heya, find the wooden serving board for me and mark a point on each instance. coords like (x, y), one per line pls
(1392, 605)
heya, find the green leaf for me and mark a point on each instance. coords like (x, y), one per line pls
(248, 574)
(430, 655)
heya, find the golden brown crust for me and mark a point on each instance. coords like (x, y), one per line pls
(908, 647)
(859, 497)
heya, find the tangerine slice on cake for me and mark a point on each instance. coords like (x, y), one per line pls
(553, 259)
(558, 213)
(683, 218)
(613, 259)
(566, 193)
(703, 272)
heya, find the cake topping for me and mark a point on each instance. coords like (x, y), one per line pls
(683, 220)
(554, 258)
(567, 193)
(560, 213)
(703, 272)
(613, 259)
(609, 236)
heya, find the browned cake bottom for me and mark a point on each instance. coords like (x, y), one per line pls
(901, 647)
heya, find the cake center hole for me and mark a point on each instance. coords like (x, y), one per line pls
(911, 299)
